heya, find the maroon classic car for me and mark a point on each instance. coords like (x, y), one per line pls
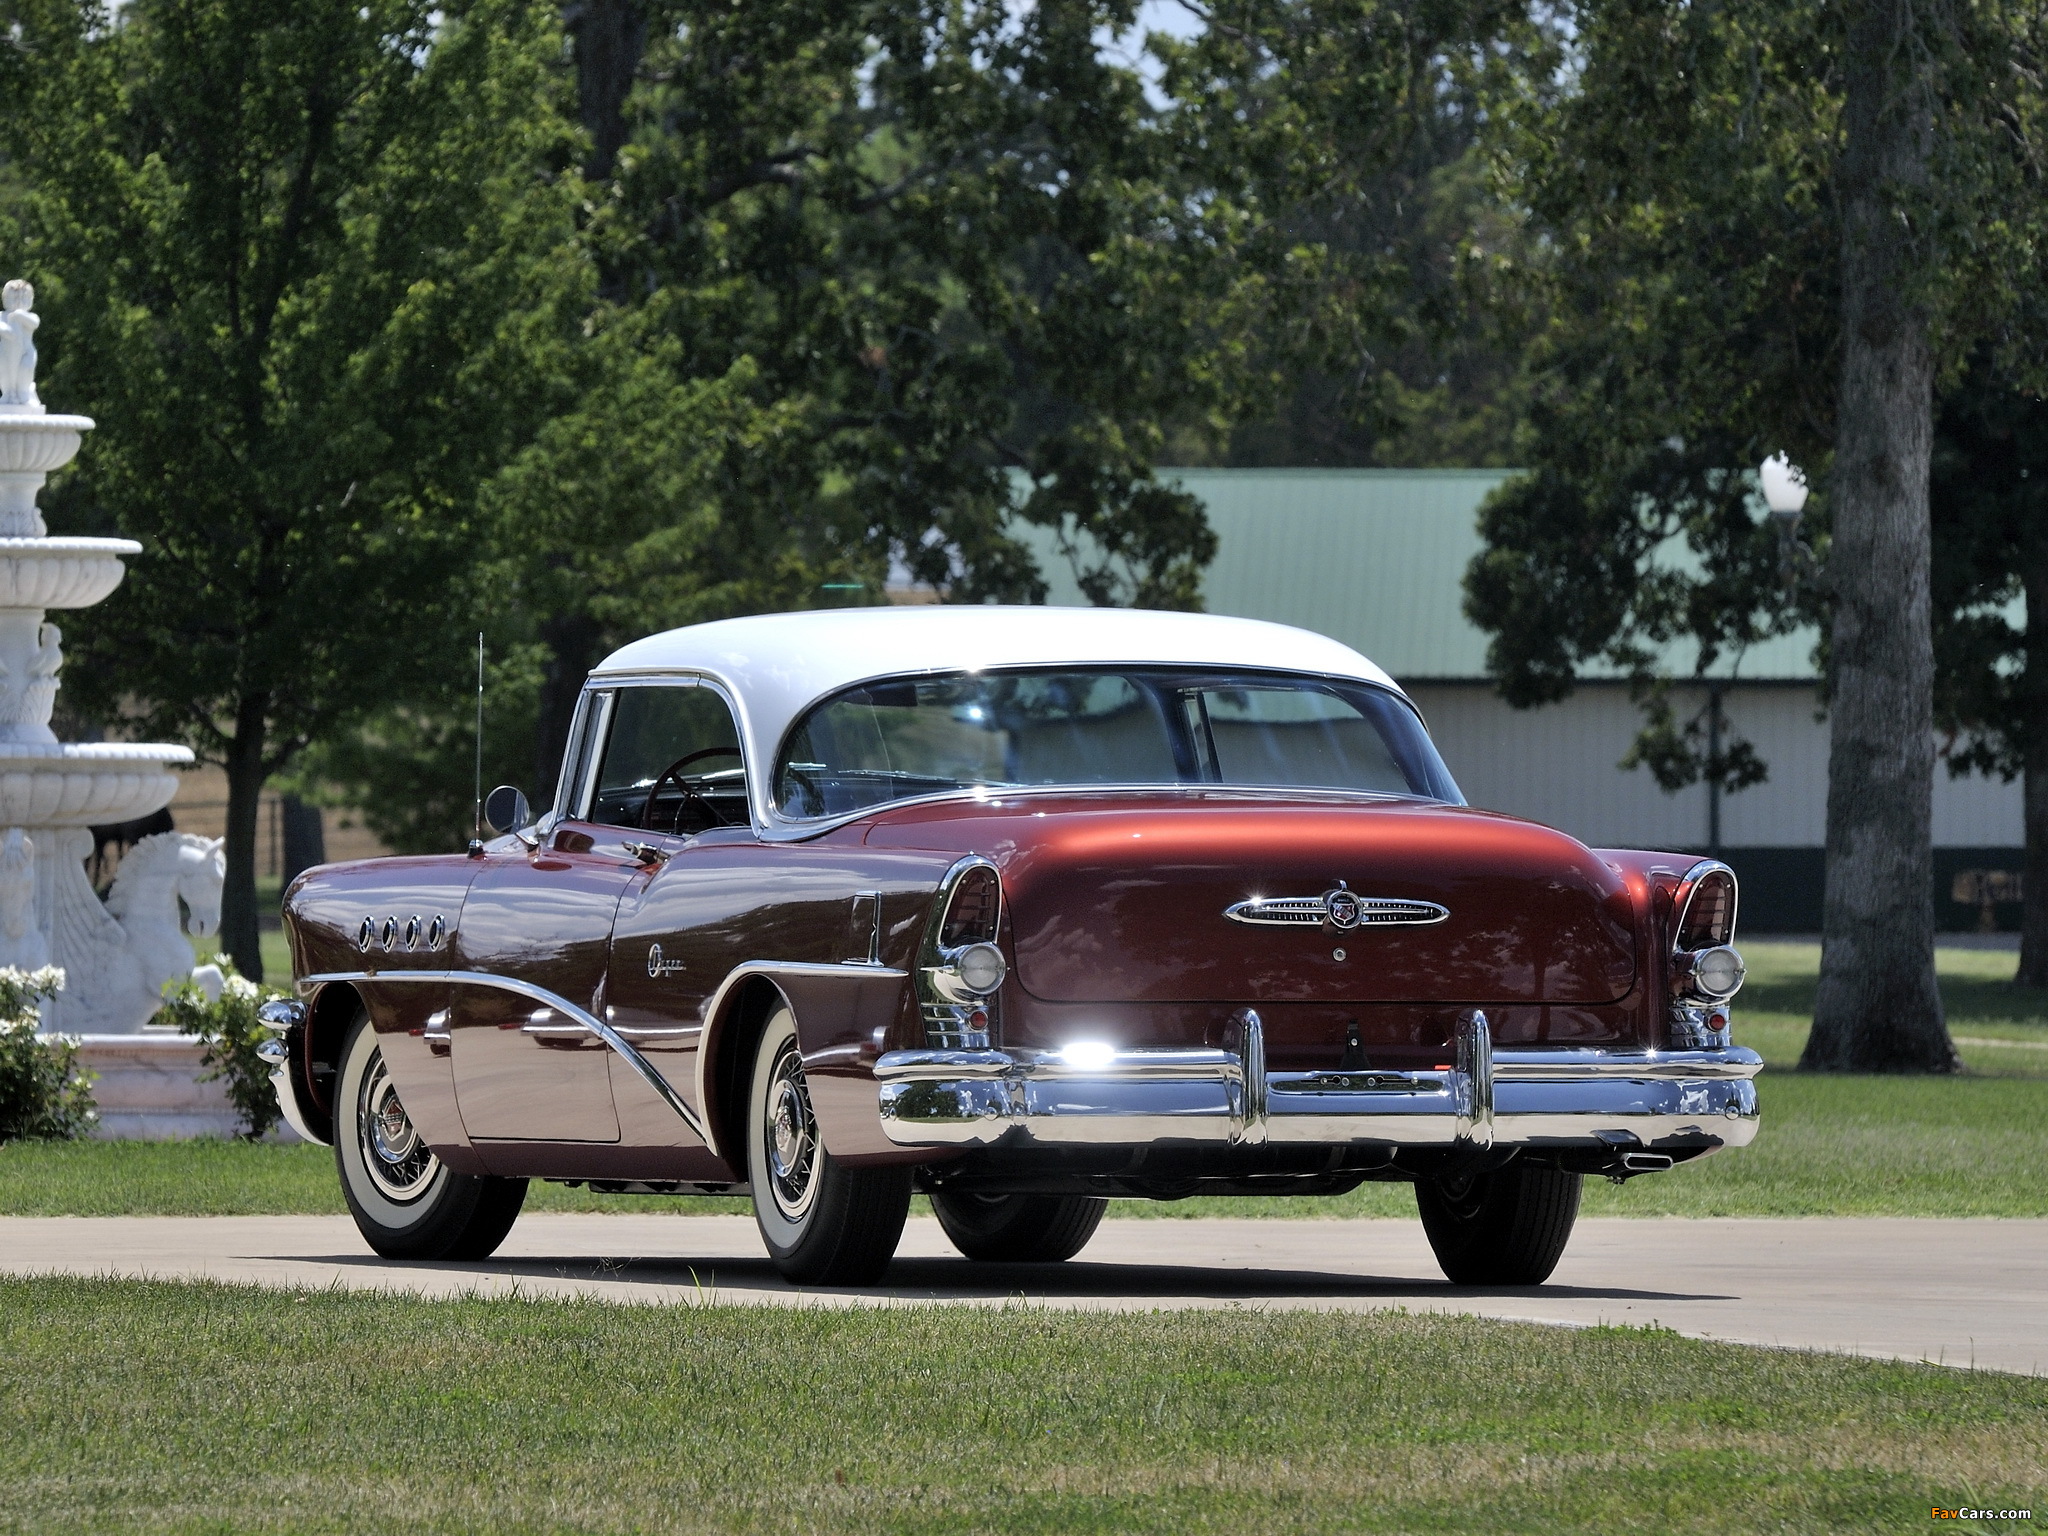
(1024, 908)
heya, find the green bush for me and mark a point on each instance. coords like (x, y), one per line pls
(44, 1094)
(227, 1025)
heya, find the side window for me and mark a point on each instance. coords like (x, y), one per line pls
(671, 762)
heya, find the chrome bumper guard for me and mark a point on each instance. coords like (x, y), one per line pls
(1098, 1096)
(285, 1019)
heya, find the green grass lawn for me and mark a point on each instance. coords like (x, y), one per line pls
(277, 955)
(134, 1406)
(1974, 1145)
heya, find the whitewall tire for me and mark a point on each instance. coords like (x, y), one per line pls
(824, 1223)
(407, 1203)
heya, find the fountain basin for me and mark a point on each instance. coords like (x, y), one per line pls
(61, 573)
(37, 444)
(86, 784)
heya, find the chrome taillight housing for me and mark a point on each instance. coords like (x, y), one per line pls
(1706, 971)
(960, 964)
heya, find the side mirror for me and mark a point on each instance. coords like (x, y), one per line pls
(506, 810)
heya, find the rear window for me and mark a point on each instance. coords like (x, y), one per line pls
(902, 738)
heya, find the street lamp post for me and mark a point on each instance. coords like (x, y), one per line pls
(1784, 485)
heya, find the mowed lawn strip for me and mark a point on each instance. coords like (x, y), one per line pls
(131, 1406)
(1974, 1145)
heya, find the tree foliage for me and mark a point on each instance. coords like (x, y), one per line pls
(1393, 333)
(1990, 589)
(879, 285)
(1765, 226)
(300, 261)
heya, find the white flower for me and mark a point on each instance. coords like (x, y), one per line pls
(210, 980)
(242, 986)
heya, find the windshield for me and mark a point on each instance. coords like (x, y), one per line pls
(1009, 730)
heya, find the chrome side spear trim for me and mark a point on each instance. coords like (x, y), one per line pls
(570, 1012)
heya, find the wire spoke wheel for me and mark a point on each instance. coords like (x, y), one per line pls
(790, 1132)
(398, 1161)
(407, 1203)
(823, 1222)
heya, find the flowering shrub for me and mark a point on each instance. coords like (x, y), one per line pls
(219, 1007)
(44, 1094)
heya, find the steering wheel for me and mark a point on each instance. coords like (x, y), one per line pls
(690, 791)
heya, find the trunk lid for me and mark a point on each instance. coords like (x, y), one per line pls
(1127, 901)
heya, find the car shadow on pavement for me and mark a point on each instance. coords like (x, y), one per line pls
(734, 1277)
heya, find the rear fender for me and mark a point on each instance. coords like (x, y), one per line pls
(844, 1018)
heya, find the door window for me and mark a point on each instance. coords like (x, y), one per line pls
(671, 762)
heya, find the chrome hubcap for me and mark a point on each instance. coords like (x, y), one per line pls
(791, 1136)
(398, 1161)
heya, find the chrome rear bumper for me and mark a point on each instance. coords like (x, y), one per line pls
(1095, 1096)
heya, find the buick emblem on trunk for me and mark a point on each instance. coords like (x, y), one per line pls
(1339, 907)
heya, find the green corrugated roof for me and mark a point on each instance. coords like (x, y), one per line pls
(1373, 557)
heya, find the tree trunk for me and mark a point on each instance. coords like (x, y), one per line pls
(305, 836)
(572, 640)
(240, 929)
(1878, 1009)
(609, 37)
(2033, 970)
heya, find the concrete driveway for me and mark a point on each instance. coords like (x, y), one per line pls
(1953, 1292)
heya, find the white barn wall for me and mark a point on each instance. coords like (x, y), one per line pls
(1558, 764)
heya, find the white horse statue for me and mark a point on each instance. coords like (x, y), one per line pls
(119, 956)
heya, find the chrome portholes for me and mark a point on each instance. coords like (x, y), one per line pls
(1339, 907)
(397, 1160)
(789, 1132)
(389, 934)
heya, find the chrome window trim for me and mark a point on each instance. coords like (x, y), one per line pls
(574, 755)
(825, 824)
(611, 684)
(594, 718)
(770, 825)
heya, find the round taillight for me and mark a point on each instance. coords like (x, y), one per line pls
(1718, 972)
(981, 968)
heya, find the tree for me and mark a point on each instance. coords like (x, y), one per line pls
(1395, 345)
(305, 268)
(1770, 225)
(1989, 495)
(899, 272)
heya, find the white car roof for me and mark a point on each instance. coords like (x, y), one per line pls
(775, 666)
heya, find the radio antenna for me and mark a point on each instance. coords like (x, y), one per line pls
(476, 834)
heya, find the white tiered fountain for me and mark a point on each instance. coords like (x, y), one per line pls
(116, 954)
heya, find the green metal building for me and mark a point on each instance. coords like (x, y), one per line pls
(1376, 558)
